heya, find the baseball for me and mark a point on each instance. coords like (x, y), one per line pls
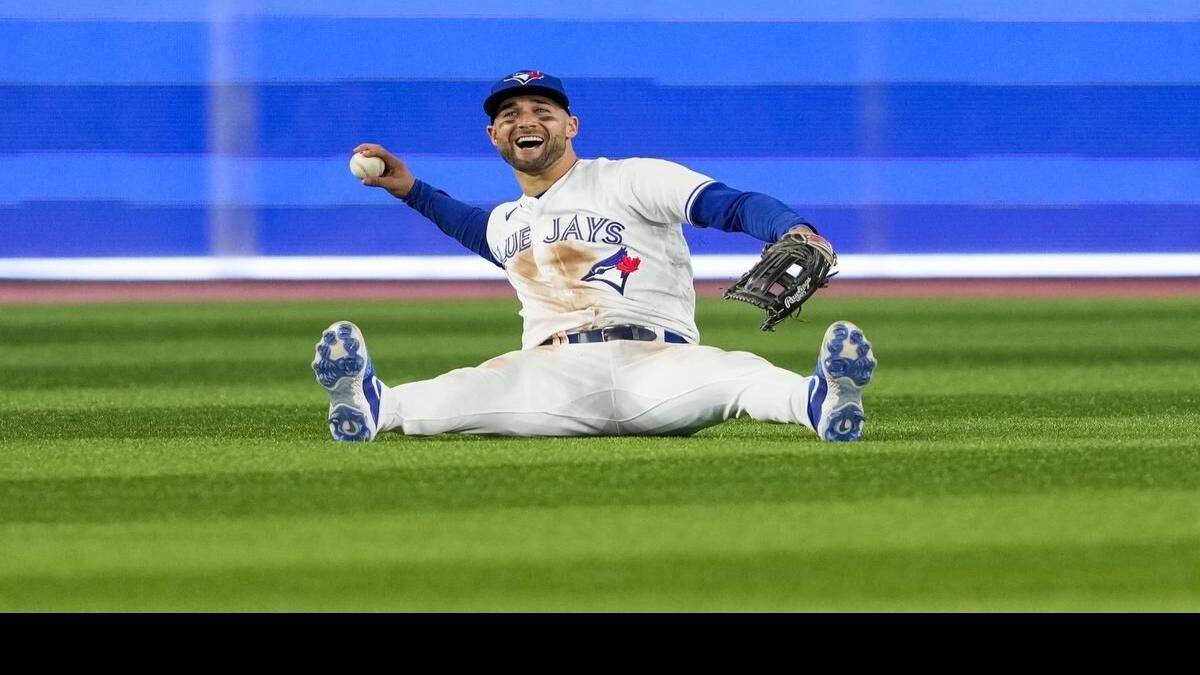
(362, 166)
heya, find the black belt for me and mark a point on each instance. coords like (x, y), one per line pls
(627, 332)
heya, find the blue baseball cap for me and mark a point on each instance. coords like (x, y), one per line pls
(526, 83)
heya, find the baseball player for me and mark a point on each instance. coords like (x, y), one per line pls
(595, 251)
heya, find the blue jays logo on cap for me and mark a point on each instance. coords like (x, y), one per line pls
(526, 83)
(524, 76)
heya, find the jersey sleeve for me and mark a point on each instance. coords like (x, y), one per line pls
(658, 190)
(466, 223)
(761, 216)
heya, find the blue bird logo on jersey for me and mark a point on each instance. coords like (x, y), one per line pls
(524, 76)
(614, 270)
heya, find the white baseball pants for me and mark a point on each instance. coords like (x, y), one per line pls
(602, 388)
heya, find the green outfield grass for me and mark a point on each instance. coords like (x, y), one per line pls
(1028, 455)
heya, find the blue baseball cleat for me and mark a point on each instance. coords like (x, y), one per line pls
(344, 369)
(844, 368)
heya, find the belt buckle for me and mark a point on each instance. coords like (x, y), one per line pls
(607, 332)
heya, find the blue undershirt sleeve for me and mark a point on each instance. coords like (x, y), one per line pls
(758, 215)
(466, 223)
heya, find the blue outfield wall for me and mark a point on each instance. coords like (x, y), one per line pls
(911, 128)
(121, 229)
(996, 181)
(619, 118)
(617, 10)
(322, 49)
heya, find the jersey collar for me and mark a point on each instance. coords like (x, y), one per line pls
(530, 200)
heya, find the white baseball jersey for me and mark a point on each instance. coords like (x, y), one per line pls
(603, 246)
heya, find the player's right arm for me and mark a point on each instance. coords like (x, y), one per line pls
(466, 223)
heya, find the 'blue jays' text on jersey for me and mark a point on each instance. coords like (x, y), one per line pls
(603, 246)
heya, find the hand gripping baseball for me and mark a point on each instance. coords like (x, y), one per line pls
(790, 271)
(396, 178)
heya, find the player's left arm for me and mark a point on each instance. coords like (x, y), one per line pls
(666, 192)
(758, 215)
(796, 261)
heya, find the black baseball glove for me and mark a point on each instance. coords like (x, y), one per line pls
(772, 284)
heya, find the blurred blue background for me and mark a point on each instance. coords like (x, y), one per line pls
(223, 127)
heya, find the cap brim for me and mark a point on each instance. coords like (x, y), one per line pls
(492, 105)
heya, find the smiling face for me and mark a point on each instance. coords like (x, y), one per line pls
(533, 133)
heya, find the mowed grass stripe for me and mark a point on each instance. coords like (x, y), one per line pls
(729, 479)
(533, 534)
(1058, 578)
(68, 459)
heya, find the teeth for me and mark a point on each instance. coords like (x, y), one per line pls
(529, 139)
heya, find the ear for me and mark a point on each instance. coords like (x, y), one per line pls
(491, 132)
(572, 127)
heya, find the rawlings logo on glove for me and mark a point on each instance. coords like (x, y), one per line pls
(771, 286)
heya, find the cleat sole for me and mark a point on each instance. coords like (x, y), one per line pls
(847, 366)
(344, 378)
